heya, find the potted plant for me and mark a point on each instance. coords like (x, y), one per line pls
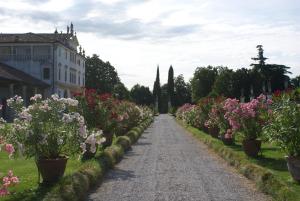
(247, 119)
(212, 122)
(50, 131)
(284, 130)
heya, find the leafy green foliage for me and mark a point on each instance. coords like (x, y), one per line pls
(100, 75)
(141, 95)
(120, 92)
(171, 86)
(284, 128)
(202, 82)
(182, 91)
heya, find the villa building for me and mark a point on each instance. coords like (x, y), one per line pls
(54, 61)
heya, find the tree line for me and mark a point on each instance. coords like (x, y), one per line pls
(209, 81)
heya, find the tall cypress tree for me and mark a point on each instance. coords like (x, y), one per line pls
(157, 90)
(171, 85)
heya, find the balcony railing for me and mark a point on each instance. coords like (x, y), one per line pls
(25, 58)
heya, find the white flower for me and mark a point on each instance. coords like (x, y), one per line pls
(70, 101)
(67, 118)
(60, 141)
(10, 101)
(36, 97)
(45, 107)
(101, 140)
(55, 97)
(92, 141)
(83, 147)
(19, 99)
(82, 131)
(25, 115)
(93, 148)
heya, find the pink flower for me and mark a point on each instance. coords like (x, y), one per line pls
(228, 134)
(14, 180)
(3, 192)
(9, 148)
(269, 101)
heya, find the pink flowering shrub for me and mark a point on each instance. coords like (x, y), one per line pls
(247, 118)
(190, 114)
(8, 181)
(216, 119)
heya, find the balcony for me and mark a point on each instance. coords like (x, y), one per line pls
(25, 58)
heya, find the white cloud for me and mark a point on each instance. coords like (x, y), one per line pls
(136, 35)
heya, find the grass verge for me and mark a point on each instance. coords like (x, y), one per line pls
(79, 176)
(268, 171)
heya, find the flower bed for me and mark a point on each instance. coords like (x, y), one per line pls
(69, 129)
(274, 122)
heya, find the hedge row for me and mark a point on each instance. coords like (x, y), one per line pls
(263, 178)
(75, 187)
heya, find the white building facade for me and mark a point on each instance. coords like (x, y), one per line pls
(54, 58)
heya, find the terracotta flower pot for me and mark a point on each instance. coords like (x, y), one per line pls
(293, 164)
(227, 141)
(51, 169)
(214, 131)
(252, 147)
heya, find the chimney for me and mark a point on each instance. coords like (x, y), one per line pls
(68, 29)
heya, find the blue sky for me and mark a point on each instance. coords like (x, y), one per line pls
(137, 35)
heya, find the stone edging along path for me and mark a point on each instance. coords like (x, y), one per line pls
(76, 186)
(262, 177)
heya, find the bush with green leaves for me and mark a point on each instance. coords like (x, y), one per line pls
(284, 126)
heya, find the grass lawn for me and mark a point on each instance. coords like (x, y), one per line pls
(26, 170)
(271, 158)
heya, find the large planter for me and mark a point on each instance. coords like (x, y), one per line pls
(51, 170)
(214, 131)
(251, 147)
(293, 164)
(227, 141)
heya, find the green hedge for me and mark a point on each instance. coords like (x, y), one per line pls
(76, 186)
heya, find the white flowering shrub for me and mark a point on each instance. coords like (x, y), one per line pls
(49, 128)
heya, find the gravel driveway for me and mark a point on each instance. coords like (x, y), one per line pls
(169, 164)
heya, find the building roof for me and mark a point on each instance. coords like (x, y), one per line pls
(62, 38)
(12, 74)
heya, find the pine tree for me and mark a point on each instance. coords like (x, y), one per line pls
(171, 86)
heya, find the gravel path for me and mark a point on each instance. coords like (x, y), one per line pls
(169, 164)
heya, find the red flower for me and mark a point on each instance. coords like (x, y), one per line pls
(105, 97)
(277, 93)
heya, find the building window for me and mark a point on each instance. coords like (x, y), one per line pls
(5, 53)
(66, 73)
(72, 57)
(66, 54)
(59, 51)
(79, 78)
(59, 71)
(72, 76)
(83, 83)
(46, 73)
